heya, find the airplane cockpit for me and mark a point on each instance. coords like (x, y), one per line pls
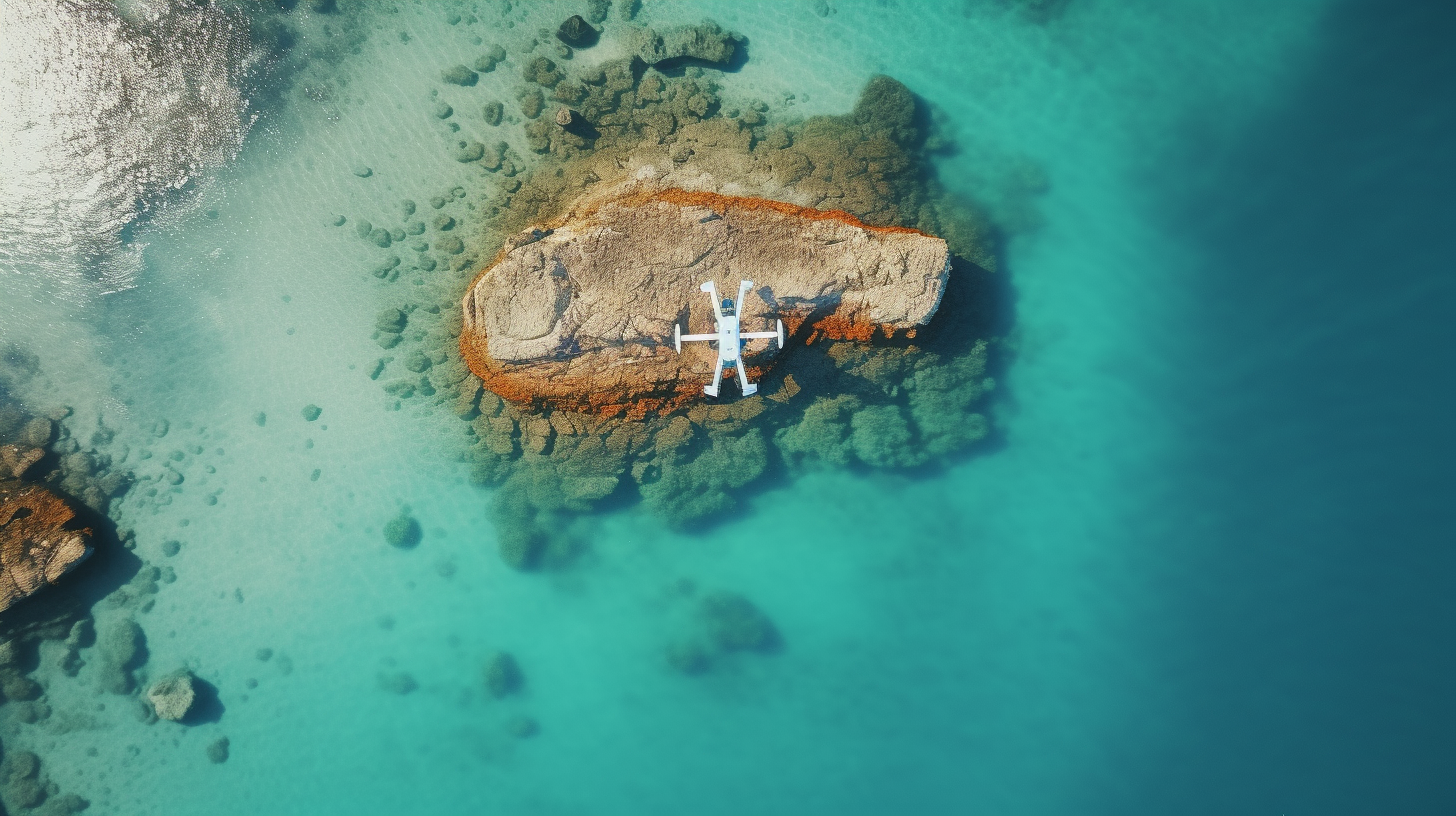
(727, 308)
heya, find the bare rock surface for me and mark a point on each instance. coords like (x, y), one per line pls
(579, 313)
(39, 540)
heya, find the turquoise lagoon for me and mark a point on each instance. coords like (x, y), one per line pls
(1205, 567)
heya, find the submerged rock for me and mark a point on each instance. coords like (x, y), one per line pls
(492, 57)
(217, 750)
(400, 683)
(503, 675)
(122, 648)
(172, 697)
(579, 313)
(40, 540)
(523, 727)
(17, 460)
(459, 75)
(22, 784)
(403, 531)
(735, 623)
(707, 42)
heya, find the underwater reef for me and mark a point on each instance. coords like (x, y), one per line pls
(514, 307)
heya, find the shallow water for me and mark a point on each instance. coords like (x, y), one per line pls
(1205, 568)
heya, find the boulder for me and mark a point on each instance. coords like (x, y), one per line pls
(460, 75)
(492, 57)
(578, 313)
(577, 32)
(172, 697)
(40, 540)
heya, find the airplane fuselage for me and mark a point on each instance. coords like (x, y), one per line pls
(728, 340)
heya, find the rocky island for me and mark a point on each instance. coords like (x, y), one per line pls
(578, 313)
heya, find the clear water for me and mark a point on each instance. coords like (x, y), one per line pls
(1208, 568)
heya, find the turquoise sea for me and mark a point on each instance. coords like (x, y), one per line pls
(1205, 564)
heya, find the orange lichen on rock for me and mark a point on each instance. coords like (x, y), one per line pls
(39, 540)
(578, 313)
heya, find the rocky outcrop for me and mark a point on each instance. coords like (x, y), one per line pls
(40, 540)
(579, 313)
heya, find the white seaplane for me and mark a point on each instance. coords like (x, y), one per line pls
(730, 339)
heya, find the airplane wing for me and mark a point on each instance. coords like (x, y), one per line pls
(777, 334)
(712, 296)
(743, 287)
(699, 337)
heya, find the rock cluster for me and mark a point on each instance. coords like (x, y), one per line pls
(579, 313)
(45, 449)
(40, 540)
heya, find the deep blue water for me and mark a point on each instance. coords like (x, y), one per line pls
(1315, 635)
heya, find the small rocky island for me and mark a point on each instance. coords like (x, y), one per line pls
(578, 313)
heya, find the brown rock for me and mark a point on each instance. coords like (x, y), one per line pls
(578, 313)
(39, 540)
